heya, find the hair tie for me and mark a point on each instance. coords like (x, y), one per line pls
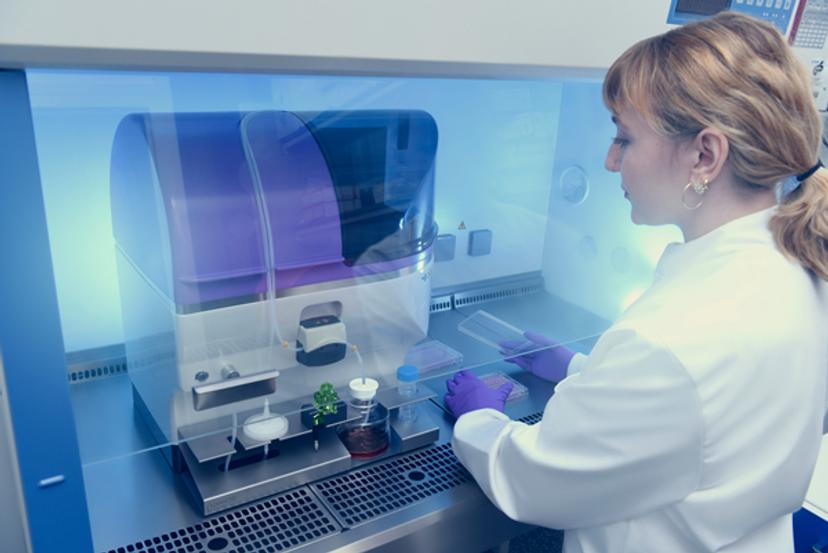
(792, 183)
(810, 171)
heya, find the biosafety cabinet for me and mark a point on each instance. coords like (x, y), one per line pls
(243, 249)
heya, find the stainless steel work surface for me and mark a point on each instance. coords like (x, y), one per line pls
(137, 503)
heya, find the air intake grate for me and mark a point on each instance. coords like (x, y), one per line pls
(95, 363)
(533, 418)
(499, 293)
(376, 490)
(82, 375)
(281, 523)
(440, 303)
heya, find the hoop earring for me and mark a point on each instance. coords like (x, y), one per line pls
(699, 188)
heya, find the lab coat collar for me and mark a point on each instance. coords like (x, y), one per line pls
(750, 229)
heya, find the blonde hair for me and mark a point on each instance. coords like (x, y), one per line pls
(736, 74)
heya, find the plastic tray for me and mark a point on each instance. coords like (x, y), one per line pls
(490, 330)
(497, 379)
(433, 355)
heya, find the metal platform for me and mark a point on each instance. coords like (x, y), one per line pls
(297, 463)
(226, 469)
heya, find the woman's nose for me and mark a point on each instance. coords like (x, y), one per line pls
(613, 160)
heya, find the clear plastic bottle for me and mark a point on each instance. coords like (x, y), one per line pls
(407, 375)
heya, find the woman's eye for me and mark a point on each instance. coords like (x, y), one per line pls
(620, 142)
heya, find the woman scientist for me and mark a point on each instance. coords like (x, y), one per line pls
(694, 424)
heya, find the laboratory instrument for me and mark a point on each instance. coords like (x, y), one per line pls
(234, 288)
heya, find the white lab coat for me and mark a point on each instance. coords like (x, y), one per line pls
(693, 425)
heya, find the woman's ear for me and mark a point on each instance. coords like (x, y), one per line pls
(710, 150)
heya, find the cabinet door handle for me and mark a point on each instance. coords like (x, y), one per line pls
(54, 481)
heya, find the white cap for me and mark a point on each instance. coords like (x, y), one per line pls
(364, 389)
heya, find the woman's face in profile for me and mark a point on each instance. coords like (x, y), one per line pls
(652, 175)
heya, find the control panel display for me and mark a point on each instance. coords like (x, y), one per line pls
(811, 30)
(776, 12)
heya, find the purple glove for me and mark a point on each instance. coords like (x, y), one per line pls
(467, 393)
(546, 358)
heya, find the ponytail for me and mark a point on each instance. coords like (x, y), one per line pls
(800, 225)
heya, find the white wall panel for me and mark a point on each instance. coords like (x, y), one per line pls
(328, 35)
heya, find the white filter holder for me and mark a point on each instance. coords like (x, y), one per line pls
(265, 427)
(364, 389)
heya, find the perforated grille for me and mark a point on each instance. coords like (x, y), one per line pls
(440, 303)
(482, 296)
(281, 523)
(365, 494)
(82, 375)
(94, 363)
(533, 418)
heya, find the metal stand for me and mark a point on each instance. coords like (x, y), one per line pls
(420, 432)
(218, 485)
(290, 464)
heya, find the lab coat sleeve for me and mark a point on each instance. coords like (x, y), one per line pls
(618, 439)
(578, 360)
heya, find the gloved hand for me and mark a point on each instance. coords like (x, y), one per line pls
(467, 393)
(549, 363)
